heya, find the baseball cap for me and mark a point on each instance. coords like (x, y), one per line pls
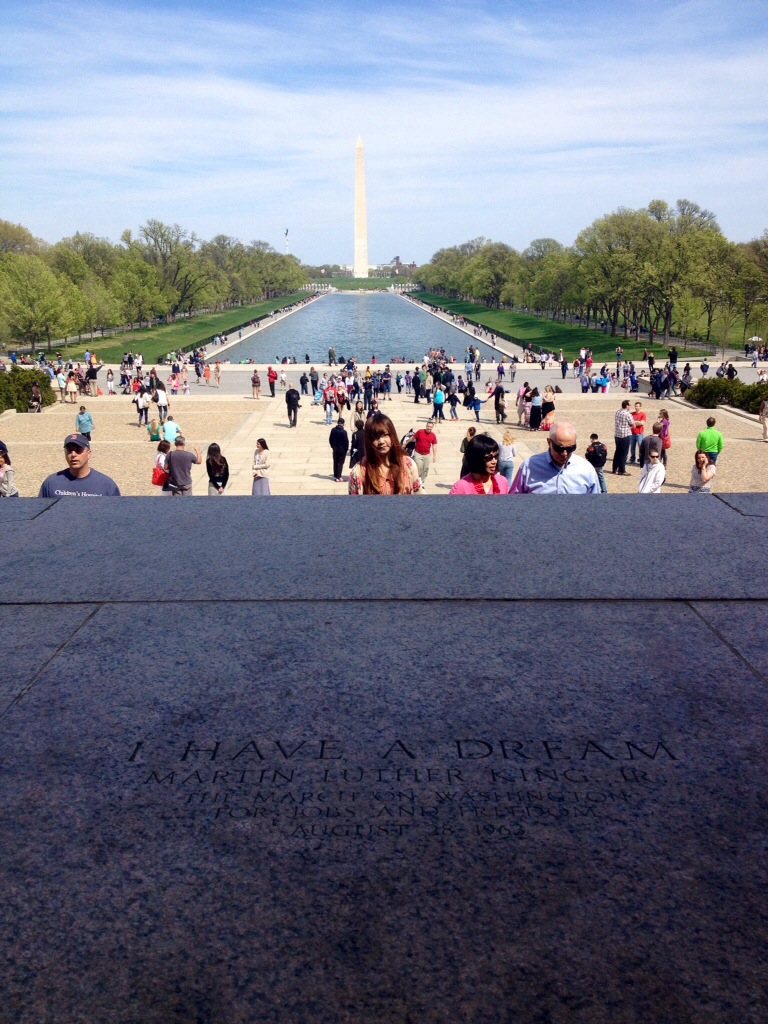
(79, 439)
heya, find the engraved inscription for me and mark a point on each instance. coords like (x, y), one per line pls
(328, 788)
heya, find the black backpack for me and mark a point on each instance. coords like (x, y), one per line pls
(597, 454)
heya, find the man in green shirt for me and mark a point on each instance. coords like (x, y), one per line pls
(710, 440)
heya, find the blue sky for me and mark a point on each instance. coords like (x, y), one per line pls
(513, 120)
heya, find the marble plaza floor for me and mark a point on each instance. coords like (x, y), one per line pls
(251, 773)
(302, 456)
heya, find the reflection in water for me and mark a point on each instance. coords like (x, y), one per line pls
(357, 325)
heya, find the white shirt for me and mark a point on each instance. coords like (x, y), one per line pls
(652, 478)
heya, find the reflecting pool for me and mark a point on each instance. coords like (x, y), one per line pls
(358, 325)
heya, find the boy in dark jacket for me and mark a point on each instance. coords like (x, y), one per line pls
(596, 455)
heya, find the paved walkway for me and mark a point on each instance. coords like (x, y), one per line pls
(302, 457)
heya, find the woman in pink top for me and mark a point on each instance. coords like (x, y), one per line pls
(483, 463)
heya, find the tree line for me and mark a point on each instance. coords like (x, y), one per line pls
(83, 284)
(650, 268)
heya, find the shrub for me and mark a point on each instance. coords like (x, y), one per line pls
(720, 391)
(16, 388)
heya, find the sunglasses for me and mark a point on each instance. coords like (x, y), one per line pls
(561, 449)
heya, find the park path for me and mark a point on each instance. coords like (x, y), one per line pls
(302, 456)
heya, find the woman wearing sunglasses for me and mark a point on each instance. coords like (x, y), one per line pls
(482, 458)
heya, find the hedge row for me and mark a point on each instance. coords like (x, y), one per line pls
(16, 388)
(709, 393)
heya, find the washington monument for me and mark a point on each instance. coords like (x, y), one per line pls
(361, 215)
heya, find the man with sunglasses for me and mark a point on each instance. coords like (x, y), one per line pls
(557, 470)
(78, 480)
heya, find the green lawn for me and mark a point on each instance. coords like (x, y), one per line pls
(355, 284)
(525, 329)
(158, 341)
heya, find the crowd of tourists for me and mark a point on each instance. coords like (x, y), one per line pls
(379, 461)
(382, 463)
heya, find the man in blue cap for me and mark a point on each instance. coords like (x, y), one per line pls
(78, 480)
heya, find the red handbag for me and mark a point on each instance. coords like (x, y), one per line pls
(160, 477)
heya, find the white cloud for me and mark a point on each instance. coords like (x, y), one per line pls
(203, 130)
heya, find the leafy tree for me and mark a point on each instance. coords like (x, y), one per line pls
(689, 310)
(554, 285)
(185, 276)
(529, 266)
(33, 302)
(613, 268)
(729, 283)
(92, 304)
(100, 255)
(676, 236)
(64, 260)
(445, 271)
(16, 238)
(540, 248)
(488, 270)
(754, 283)
(137, 288)
(101, 303)
(229, 258)
(759, 320)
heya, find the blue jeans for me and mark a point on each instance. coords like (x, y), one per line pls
(329, 415)
(507, 469)
(635, 441)
(601, 479)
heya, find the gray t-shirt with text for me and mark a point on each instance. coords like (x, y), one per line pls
(64, 485)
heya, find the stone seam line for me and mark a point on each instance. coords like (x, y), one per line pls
(95, 608)
(724, 640)
(26, 688)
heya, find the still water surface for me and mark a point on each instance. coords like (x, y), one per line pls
(357, 325)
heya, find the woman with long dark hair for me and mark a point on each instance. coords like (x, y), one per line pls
(218, 471)
(385, 469)
(534, 417)
(703, 474)
(261, 469)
